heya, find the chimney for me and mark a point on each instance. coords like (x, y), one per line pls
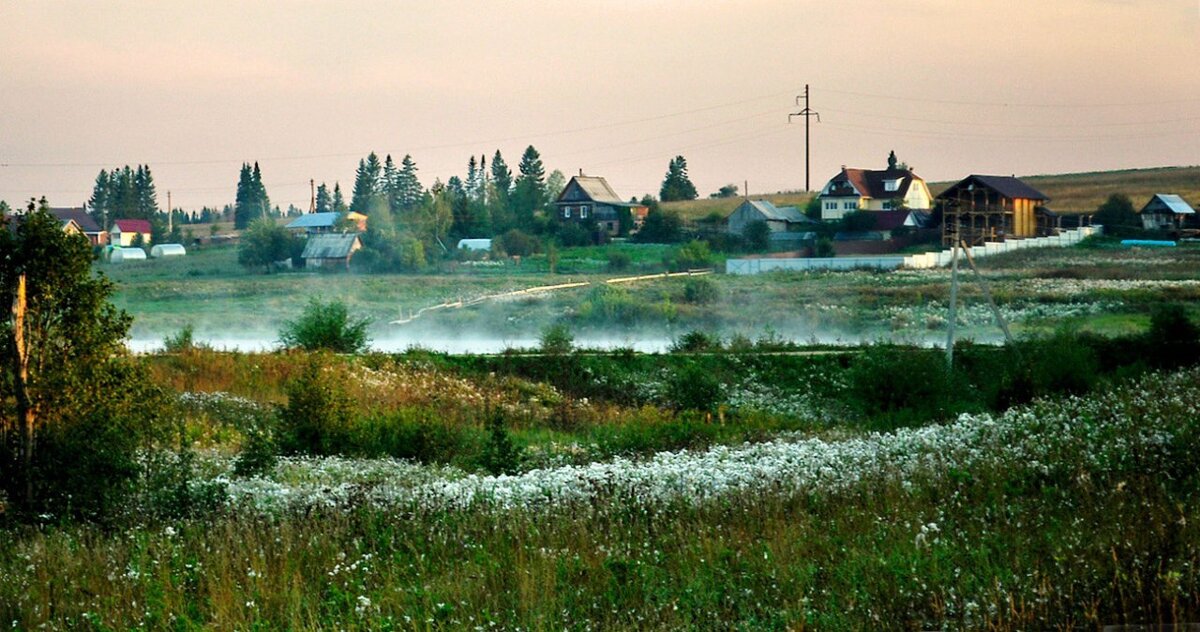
(581, 173)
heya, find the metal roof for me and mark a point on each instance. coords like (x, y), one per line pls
(132, 226)
(776, 213)
(1007, 186)
(597, 189)
(314, 220)
(337, 246)
(1168, 202)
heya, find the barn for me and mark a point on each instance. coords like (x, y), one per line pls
(1165, 211)
(780, 219)
(330, 250)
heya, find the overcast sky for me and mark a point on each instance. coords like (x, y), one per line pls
(615, 88)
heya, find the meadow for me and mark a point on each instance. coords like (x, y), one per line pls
(747, 478)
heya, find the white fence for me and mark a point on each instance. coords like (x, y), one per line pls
(943, 258)
(923, 260)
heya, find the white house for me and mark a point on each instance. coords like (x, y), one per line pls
(894, 188)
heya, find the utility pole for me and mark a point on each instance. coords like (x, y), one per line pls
(952, 319)
(170, 215)
(807, 113)
(312, 200)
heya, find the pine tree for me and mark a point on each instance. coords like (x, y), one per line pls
(409, 192)
(260, 193)
(324, 202)
(676, 185)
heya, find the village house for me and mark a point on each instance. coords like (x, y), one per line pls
(780, 219)
(588, 200)
(1165, 211)
(894, 188)
(321, 223)
(331, 250)
(124, 231)
(88, 226)
(981, 208)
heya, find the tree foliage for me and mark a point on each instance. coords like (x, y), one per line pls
(251, 201)
(677, 185)
(75, 408)
(265, 244)
(326, 327)
(1117, 215)
(124, 193)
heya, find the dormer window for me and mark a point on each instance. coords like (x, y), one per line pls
(891, 185)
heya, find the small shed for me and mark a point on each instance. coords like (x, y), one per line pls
(778, 218)
(168, 250)
(121, 255)
(1165, 211)
(330, 250)
(484, 245)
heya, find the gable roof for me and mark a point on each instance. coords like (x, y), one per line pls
(771, 212)
(132, 226)
(889, 220)
(330, 246)
(1007, 186)
(871, 183)
(1168, 202)
(595, 187)
(81, 217)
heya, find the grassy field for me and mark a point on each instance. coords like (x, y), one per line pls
(693, 210)
(1108, 290)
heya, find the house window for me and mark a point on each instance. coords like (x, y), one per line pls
(583, 211)
(891, 185)
(566, 212)
(850, 206)
(888, 205)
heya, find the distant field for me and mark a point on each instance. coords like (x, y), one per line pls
(693, 210)
(1083, 192)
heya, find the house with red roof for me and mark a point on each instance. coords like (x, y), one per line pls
(892, 189)
(124, 231)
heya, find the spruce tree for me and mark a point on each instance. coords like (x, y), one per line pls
(260, 193)
(676, 185)
(471, 187)
(245, 209)
(367, 183)
(324, 202)
(339, 201)
(501, 176)
(409, 192)
(389, 182)
(98, 204)
(529, 192)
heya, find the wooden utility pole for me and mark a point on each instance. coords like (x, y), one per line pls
(312, 200)
(987, 293)
(807, 113)
(170, 214)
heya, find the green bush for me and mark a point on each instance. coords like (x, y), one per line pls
(618, 261)
(696, 341)
(318, 416)
(182, 341)
(1173, 339)
(700, 291)
(501, 455)
(693, 387)
(692, 255)
(557, 339)
(326, 327)
(893, 387)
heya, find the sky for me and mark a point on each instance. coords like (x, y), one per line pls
(614, 88)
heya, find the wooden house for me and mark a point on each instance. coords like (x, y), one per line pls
(780, 219)
(983, 208)
(88, 226)
(589, 201)
(124, 231)
(1165, 211)
(331, 250)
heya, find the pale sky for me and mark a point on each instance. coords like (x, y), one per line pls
(615, 88)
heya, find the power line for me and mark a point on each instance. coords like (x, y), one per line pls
(1072, 124)
(1017, 104)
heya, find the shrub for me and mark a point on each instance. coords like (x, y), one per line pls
(700, 291)
(618, 261)
(327, 327)
(1173, 338)
(182, 341)
(694, 388)
(696, 341)
(557, 339)
(501, 455)
(318, 415)
(758, 236)
(516, 243)
(694, 254)
(894, 387)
